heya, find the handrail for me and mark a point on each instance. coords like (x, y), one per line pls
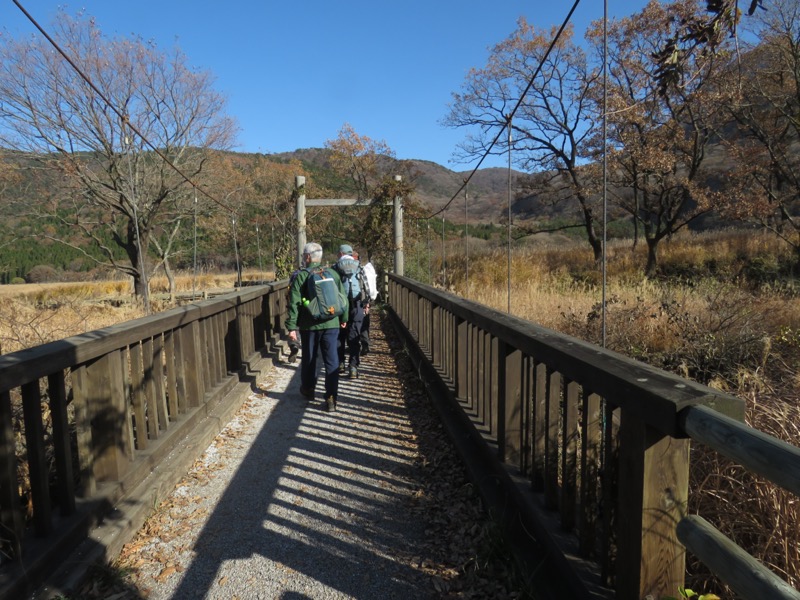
(756, 451)
(593, 443)
(113, 407)
(742, 572)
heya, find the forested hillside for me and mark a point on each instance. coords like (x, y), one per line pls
(39, 245)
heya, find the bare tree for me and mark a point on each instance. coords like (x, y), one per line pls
(660, 130)
(551, 125)
(371, 166)
(121, 193)
(765, 107)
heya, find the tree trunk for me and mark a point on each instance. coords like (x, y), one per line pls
(652, 257)
(171, 279)
(141, 284)
(594, 241)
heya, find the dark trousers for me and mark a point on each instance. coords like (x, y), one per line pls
(365, 334)
(350, 337)
(322, 343)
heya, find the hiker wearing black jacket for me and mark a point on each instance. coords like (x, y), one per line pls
(354, 283)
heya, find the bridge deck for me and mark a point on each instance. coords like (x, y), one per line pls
(293, 502)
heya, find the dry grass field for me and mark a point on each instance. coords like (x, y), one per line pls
(36, 313)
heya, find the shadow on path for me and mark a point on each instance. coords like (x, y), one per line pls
(318, 506)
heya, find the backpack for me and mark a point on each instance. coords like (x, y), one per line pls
(355, 283)
(321, 296)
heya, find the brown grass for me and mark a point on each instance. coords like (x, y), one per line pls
(33, 314)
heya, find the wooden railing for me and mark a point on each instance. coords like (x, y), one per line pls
(592, 446)
(107, 417)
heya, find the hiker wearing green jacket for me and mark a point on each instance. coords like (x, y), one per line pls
(319, 334)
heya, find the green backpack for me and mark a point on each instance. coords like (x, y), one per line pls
(321, 296)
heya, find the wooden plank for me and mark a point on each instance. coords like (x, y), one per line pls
(218, 356)
(10, 515)
(204, 351)
(510, 379)
(125, 369)
(480, 374)
(744, 574)
(591, 439)
(608, 481)
(493, 395)
(159, 383)
(251, 333)
(138, 397)
(62, 450)
(758, 452)
(474, 366)
(37, 458)
(193, 379)
(527, 391)
(462, 361)
(665, 501)
(653, 491)
(539, 427)
(488, 370)
(83, 431)
(551, 447)
(148, 357)
(344, 202)
(180, 370)
(569, 453)
(172, 375)
(108, 412)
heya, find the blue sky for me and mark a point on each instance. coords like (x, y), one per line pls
(296, 71)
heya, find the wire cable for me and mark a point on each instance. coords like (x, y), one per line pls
(513, 111)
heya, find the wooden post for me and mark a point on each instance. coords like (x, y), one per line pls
(10, 515)
(510, 405)
(106, 401)
(653, 490)
(399, 268)
(299, 184)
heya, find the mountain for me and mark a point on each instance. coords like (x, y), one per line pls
(487, 190)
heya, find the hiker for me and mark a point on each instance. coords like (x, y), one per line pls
(318, 307)
(294, 344)
(355, 286)
(372, 282)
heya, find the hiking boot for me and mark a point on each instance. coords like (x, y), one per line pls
(353, 372)
(293, 352)
(307, 392)
(330, 403)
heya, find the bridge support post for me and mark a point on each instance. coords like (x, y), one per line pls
(399, 267)
(653, 491)
(300, 184)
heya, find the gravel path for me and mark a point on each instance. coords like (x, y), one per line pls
(292, 502)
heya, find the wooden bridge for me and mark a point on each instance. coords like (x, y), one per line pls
(585, 448)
